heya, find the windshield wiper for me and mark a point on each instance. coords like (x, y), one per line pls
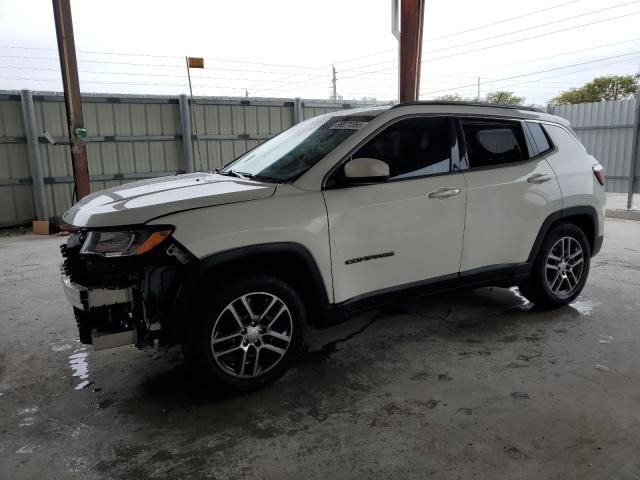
(251, 176)
(233, 173)
(266, 178)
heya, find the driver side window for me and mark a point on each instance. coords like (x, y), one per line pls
(413, 147)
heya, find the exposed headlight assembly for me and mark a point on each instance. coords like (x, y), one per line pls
(124, 243)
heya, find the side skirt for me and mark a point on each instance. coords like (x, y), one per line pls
(495, 275)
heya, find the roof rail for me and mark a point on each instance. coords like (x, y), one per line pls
(467, 104)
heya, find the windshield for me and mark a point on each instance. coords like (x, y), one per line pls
(294, 151)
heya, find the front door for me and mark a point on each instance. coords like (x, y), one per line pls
(407, 229)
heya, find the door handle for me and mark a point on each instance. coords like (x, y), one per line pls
(444, 193)
(538, 178)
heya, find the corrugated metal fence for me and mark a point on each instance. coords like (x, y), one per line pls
(609, 131)
(131, 138)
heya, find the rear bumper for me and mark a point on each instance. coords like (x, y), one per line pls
(85, 299)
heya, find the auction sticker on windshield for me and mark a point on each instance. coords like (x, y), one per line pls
(347, 125)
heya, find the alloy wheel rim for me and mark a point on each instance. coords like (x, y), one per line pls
(564, 267)
(251, 335)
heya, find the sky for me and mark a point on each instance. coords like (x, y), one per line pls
(286, 48)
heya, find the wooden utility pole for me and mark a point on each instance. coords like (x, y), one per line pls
(411, 20)
(72, 99)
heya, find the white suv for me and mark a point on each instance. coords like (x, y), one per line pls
(341, 212)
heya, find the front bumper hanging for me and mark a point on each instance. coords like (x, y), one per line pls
(85, 299)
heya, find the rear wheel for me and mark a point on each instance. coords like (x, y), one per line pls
(250, 333)
(561, 268)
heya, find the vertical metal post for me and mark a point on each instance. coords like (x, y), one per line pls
(334, 95)
(297, 110)
(187, 145)
(33, 149)
(478, 98)
(395, 31)
(193, 112)
(635, 153)
(72, 100)
(411, 20)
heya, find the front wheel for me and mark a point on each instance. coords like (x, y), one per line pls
(561, 268)
(250, 333)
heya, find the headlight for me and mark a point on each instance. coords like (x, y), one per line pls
(123, 243)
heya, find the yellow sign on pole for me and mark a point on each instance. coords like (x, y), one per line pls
(195, 62)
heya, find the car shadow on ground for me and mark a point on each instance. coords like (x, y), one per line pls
(477, 316)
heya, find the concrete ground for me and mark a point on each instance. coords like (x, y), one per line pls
(617, 206)
(618, 201)
(467, 385)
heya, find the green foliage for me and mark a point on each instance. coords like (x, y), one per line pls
(507, 98)
(611, 87)
(454, 97)
(504, 97)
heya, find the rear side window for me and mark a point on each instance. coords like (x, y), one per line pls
(539, 137)
(494, 142)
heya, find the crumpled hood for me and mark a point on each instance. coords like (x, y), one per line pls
(139, 202)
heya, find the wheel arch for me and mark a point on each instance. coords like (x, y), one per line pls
(584, 217)
(291, 262)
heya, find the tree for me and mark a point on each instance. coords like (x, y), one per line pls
(454, 97)
(504, 97)
(610, 87)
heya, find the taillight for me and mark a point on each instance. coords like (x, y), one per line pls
(598, 171)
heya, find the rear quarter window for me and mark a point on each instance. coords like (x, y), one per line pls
(540, 138)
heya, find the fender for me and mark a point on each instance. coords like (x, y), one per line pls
(596, 241)
(197, 271)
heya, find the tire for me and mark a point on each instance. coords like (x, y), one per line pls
(249, 334)
(560, 269)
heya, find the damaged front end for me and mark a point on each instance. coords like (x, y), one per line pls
(123, 284)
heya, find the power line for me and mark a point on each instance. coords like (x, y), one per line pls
(494, 67)
(536, 36)
(575, 71)
(139, 74)
(540, 71)
(110, 62)
(123, 83)
(288, 83)
(534, 27)
(96, 52)
(20, 47)
(479, 27)
(488, 47)
(290, 74)
(218, 68)
(154, 84)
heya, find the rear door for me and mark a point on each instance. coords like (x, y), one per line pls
(511, 191)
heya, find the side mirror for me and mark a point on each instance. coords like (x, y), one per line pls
(366, 170)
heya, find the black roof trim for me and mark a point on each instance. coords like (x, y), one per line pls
(468, 104)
